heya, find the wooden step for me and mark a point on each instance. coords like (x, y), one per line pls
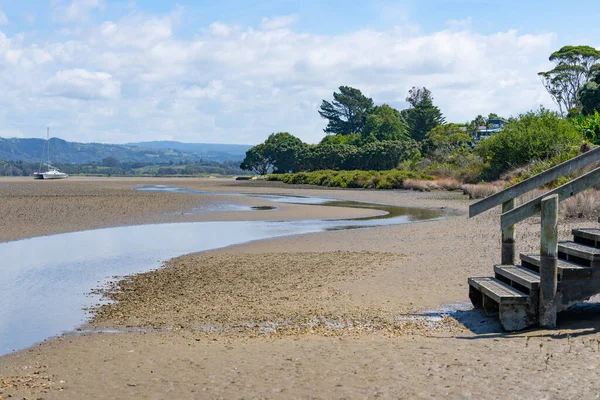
(498, 291)
(590, 236)
(579, 250)
(520, 275)
(565, 268)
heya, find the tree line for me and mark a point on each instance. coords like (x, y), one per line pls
(111, 166)
(359, 135)
(363, 136)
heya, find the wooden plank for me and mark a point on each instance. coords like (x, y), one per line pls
(549, 265)
(565, 191)
(587, 233)
(579, 250)
(535, 182)
(498, 291)
(508, 237)
(520, 275)
(566, 268)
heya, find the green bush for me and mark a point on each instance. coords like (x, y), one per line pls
(536, 135)
(392, 179)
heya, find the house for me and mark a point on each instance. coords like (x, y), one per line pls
(493, 126)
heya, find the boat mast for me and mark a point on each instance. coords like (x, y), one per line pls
(48, 140)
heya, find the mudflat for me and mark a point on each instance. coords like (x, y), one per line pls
(339, 314)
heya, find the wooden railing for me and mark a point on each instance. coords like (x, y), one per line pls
(547, 204)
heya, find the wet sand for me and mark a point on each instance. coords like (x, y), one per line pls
(316, 316)
(35, 208)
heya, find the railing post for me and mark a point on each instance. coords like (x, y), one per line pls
(508, 237)
(549, 259)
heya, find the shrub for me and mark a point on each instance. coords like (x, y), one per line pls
(582, 205)
(482, 190)
(536, 135)
(392, 179)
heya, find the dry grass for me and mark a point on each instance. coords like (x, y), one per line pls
(420, 185)
(582, 205)
(449, 184)
(427, 186)
(483, 190)
(527, 197)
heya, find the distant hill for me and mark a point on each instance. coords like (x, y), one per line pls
(208, 150)
(61, 151)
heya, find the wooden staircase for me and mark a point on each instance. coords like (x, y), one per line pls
(513, 292)
(531, 292)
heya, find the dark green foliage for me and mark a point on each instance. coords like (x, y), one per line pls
(382, 155)
(257, 160)
(589, 95)
(330, 156)
(392, 179)
(573, 69)
(444, 140)
(423, 116)
(203, 168)
(348, 111)
(350, 138)
(532, 136)
(589, 125)
(284, 150)
(385, 123)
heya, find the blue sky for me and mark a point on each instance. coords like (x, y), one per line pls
(234, 71)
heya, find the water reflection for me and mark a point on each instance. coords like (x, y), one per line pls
(45, 279)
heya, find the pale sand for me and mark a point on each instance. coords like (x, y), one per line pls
(365, 276)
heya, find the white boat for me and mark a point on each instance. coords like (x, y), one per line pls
(52, 172)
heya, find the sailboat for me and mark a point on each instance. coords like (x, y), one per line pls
(53, 172)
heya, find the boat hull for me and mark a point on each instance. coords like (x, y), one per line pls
(54, 176)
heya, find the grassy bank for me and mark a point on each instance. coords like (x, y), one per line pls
(393, 179)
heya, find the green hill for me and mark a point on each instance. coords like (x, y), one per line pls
(61, 151)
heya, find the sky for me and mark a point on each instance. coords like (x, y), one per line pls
(234, 71)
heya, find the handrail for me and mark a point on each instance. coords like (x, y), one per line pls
(565, 191)
(535, 182)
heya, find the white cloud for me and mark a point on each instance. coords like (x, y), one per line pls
(279, 22)
(134, 78)
(76, 10)
(83, 85)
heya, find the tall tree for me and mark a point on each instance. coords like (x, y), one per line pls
(422, 116)
(348, 111)
(589, 95)
(573, 67)
(385, 123)
(284, 149)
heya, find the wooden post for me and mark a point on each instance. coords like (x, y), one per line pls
(508, 237)
(549, 261)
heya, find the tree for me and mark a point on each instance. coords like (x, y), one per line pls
(330, 156)
(348, 111)
(573, 68)
(257, 160)
(110, 162)
(423, 116)
(385, 123)
(538, 135)
(589, 95)
(284, 150)
(382, 155)
(443, 140)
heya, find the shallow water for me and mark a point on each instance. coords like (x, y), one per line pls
(46, 280)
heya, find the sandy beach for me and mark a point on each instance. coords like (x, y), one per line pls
(338, 314)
